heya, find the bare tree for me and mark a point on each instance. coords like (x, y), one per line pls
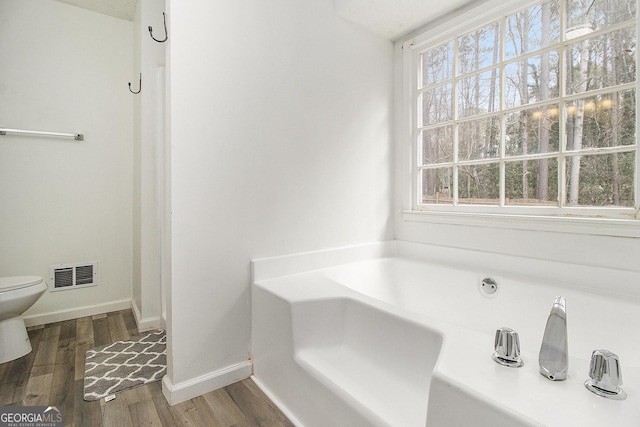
(578, 127)
(524, 98)
(545, 122)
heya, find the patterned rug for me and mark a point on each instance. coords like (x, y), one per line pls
(124, 364)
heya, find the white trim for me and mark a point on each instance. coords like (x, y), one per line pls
(579, 212)
(186, 390)
(593, 226)
(145, 324)
(76, 313)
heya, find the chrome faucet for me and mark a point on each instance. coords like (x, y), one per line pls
(554, 352)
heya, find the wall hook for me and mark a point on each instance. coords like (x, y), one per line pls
(139, 87)
(166, 35)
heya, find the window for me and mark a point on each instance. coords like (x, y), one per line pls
(531, 113)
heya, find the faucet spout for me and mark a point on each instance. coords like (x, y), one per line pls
(554, 352)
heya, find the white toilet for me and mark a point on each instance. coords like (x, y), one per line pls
(17, 294)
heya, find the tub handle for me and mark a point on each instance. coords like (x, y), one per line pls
(605, 377)
(507, 348)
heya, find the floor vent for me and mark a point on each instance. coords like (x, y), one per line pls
(72, 276)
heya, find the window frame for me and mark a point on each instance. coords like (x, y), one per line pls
(579, 219)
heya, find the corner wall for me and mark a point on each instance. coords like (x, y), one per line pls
(65, 69)
(148, 147)
(280, 143)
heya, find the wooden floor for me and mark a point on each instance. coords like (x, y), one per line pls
(52, 375)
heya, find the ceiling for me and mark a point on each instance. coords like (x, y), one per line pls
(395, 18)
(123, 9)
(389, 18)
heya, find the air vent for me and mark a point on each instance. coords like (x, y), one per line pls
(73, 276)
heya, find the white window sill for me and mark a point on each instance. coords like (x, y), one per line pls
(592, 226)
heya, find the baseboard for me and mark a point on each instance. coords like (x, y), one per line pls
(76, 313)
(181, 392)
(145, 324)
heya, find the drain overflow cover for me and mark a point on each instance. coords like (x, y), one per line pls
(489, 286)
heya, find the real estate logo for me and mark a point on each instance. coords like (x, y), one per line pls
(31, 416)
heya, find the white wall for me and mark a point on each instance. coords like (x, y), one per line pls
(580, 249)
(66, 69)
(148, 146)
(280, 142)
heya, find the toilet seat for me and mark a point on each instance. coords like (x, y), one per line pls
(18, 282)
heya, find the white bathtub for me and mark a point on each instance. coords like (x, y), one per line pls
(396, 335)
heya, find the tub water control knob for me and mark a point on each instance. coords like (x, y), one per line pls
(507, 348)
(605, 375)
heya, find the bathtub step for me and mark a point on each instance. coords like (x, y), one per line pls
(377, 393)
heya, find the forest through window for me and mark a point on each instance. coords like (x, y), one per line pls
(537, 108)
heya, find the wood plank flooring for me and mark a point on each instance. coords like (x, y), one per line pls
(52, 374)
